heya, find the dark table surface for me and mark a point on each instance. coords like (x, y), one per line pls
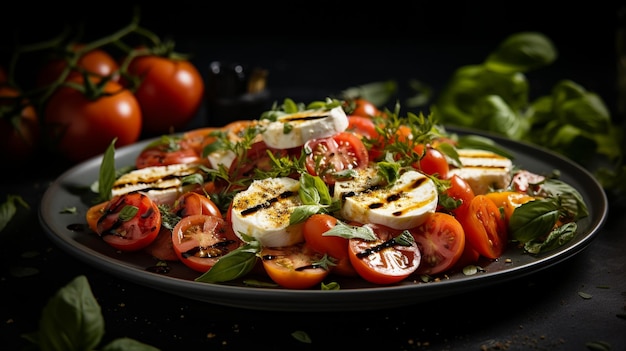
(542, 311)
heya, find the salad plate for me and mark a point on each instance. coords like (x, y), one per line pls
(68, 230)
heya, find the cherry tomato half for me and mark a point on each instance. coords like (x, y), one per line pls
(168, 151)
(191, 203)
(460, 190)
(441, 240)
(485, 227)
(129, 222)
(341, 152)
(201, 240)
(293, 267)
(381, 261)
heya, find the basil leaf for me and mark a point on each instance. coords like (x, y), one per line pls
(72, 319)
(107, 173)
(233, 265)
(533, 219)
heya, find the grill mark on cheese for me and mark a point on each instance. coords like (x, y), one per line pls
(301, 118)
(394, 198)
(268, 203)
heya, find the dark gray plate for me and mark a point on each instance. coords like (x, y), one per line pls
(69, 232)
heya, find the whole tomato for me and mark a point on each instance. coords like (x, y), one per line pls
(170, 92)
(19, 127)
(81, 127)
(97, 62)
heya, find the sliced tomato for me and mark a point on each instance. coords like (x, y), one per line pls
(201, 240)
(485, 227)
(168, 151)
(382, 261)
(336, 247)
(441, 240)
(431, 161)
(129, 222)
(509, 201)
(191, 203)
(162, 247)
(462, 192)
(293, 267)
(257, 157)
(341, 152)
(364, 127)
(94, 213)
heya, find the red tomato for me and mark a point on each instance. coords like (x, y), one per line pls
(431, 161)
(485, 227)
(168, 151)
(460, 190)
(441, 240)
(162, 247)
(197, 139)
(293, 267)
(380, 261)
(97, 62)
(341, 152)
(191, 203)
(336, 247)
(469, 256)
(82, 128)
(19, 128)
(256, 158)
(170, 93)
(363, 107)
(129, 222)
(365, 128)
(201, 240)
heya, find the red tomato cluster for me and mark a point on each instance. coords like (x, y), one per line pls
(88, 98)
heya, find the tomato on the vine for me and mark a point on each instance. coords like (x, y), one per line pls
(293, 267)
(19, 127)
(201, 240)
(340, 152)
(95, 62)
(129, 222)
(382, 261)
(170, 92)
(441, 240)
(485, 227)
(81, 128)
(336, 247)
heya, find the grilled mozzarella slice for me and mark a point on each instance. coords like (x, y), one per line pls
(263, 210)
(402, 205)
(295, 129)
(483, 170)
(163, 184)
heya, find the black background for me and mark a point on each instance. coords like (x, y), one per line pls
(312, 50)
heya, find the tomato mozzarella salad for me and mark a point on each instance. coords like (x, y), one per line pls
(308, 192)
